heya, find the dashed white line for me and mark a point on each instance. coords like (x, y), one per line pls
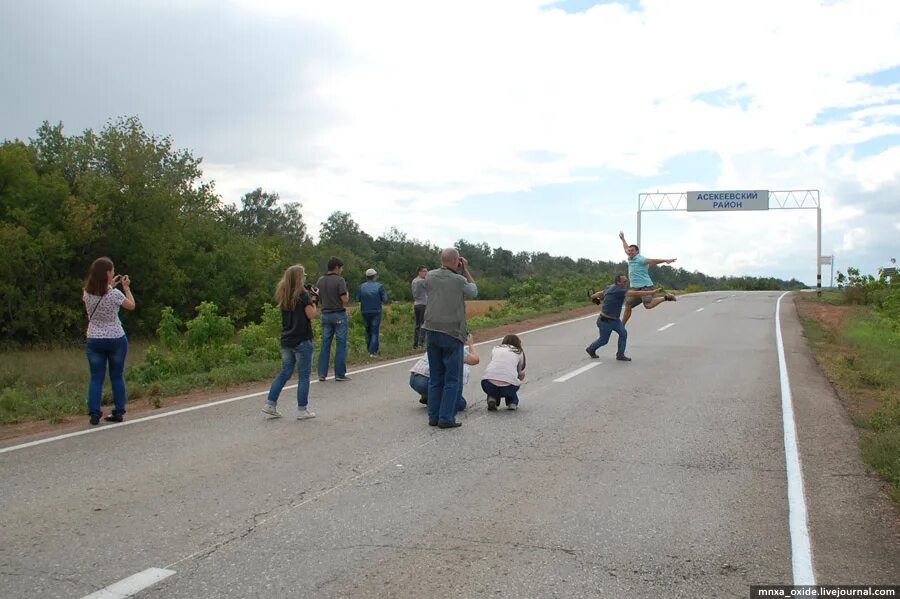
(801, 551)
(574, 373)
(132, 585)
(699, 310)
(671, 324)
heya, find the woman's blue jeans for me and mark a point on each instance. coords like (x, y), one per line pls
(99, 353)
(300, 356)
(508, 392)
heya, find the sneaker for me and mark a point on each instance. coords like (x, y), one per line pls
(114, 418)
(305, 414)
(492, 404)
(423, 400)
(593, 355)
(513, 407)
(95, 419)
(343, 378)
(448, 424)
(623, 358)
(270, 410)
(670, 298)
(322, 379)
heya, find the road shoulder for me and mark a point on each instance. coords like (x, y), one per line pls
(854, 528)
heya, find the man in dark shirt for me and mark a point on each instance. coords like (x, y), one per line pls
(613, 297)
(333, 299)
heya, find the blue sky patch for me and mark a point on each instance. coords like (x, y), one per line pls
(725, 98)
(875, 146)
(577, 6)
(889, 76)
(829, 115)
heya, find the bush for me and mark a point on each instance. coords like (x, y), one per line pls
(208, 328)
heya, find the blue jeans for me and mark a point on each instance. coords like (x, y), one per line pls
(334, 324)
(508, 392)
(99, 352)
(445, 361)
(419, 384)
(373, 324)
(607, 326)
(301, 356)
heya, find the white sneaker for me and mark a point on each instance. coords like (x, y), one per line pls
(512, 406)
(305, 414)
(270, 410)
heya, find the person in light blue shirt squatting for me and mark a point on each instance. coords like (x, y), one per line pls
(613, 297)
(371, 296)
(639, 275)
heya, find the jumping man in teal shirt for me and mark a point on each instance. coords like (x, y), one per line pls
(639, 278)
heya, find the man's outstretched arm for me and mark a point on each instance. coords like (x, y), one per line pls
(655, 261)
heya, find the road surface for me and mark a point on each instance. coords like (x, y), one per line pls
(663, 477)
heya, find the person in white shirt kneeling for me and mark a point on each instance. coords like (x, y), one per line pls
(505, 373)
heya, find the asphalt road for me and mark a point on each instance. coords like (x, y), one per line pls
(663, 477)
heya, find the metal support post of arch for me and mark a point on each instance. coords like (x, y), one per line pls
(788, 199)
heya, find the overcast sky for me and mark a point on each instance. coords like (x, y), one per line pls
(528, 124)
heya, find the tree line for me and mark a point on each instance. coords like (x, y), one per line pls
(132, 195)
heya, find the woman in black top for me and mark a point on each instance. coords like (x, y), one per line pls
(298, 308)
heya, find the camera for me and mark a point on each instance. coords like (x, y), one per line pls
(313, 293)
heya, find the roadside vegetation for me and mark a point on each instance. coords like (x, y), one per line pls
(854, 334)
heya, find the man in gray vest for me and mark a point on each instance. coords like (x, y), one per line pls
(445, 322)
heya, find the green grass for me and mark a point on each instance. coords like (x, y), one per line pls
(863, 359)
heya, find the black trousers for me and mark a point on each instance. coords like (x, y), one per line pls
(419, 334)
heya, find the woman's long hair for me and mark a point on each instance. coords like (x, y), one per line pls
(515, 343)
(97, 282)
(290, 287)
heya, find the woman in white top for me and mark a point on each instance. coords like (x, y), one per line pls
(505, 373)
(419, 374)
(106, 340)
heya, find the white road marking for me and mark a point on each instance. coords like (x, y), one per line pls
(801, 551)
(575, 373)
(671, 324)
(220, 402)
(132, 585)
(699, 310)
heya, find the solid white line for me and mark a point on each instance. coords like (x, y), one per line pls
(575, 373)
(220, 402)
(671, 324)
(699, 310)
(801, 551)
(132, 585)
